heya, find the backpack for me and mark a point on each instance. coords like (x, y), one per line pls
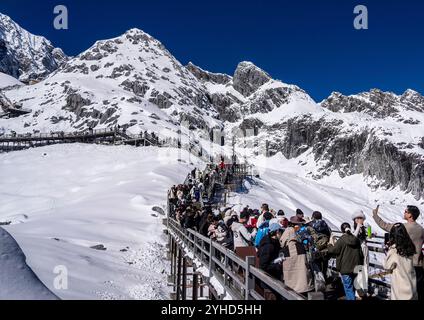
(320, 226)
(321, 241)
(320, 235)
(262, 232)
(303, 235)
(228, 239)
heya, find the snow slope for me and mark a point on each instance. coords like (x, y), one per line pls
(63, 199)
(8, 81)
(17, 280)
(286, 184)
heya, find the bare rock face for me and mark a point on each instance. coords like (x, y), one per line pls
(376, 103)
(227, 106)
(206, 76)
(25, 56)
(349, 151)
(248, 78)
(412, 100)
(267, 100)
(76, 103)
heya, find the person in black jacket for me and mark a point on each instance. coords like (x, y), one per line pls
(268, 251)
(205, 221)
(189, 219)
(348, 253)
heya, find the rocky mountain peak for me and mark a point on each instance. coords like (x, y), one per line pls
(25, 56)
(248, 78)
(413, 100)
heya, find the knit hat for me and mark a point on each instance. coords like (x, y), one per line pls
(358, 214)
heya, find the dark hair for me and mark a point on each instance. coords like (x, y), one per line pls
(280, 213)
(265, 207)
(414, 211)
(316, 215)
(299, 212)
(268, 216)
(400, 238)
(217, 218)
(244, 215)
(362, 235)
(346, 228)
(209, 218)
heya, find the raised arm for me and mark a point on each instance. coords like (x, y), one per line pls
(380, 222)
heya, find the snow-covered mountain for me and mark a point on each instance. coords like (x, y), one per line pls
(25, 56)
(134, 81)
(131, 80)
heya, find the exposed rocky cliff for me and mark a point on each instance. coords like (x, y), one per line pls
(25, 56)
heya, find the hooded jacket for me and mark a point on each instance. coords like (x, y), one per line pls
(348, 253)
(268, 251)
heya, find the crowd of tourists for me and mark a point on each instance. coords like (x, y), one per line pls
(297, 249)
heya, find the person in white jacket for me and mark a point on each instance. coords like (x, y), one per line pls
(399, 261)
(360, 232)
(242, 237)
(264, 209)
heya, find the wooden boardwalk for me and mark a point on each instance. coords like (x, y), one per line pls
(14, 142)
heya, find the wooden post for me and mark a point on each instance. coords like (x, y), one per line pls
(179, 275)
(184, 291)
(171, 248)
(195, 284)
(201, 286)
(174, 272)
(249, 280)
(211, 254)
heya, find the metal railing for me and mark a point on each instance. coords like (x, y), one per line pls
(238, 277)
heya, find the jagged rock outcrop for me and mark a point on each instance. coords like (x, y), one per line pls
(25, 56)
(248, 78)
(376, 103)
(206, 76)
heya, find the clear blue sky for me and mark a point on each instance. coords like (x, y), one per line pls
(311, 43)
